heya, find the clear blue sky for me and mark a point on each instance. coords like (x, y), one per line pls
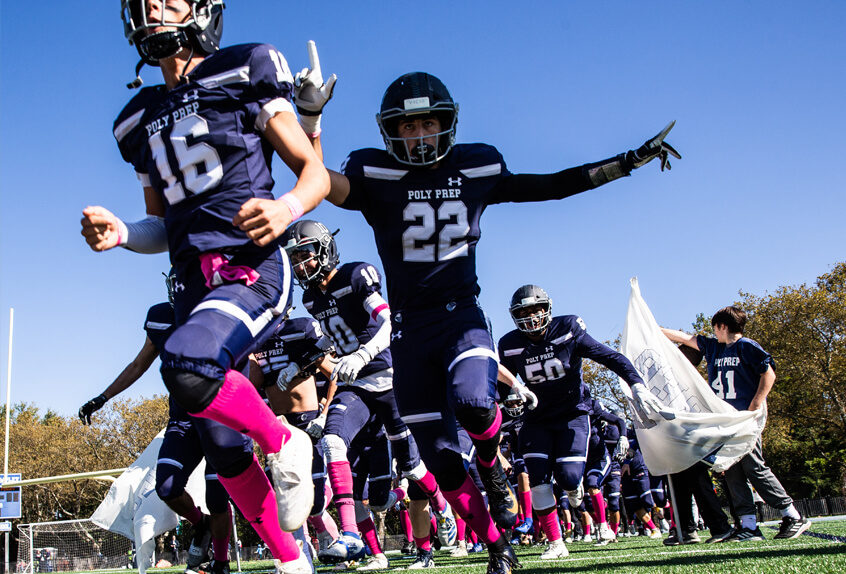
(757, 89)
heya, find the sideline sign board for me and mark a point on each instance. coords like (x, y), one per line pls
(10, 497)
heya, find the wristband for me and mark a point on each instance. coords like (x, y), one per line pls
(122, 231)
(294, 205)
(310, 125)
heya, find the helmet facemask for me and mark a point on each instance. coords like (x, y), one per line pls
(513, 405)
(200, 31)
(421, 152)
(531, 309)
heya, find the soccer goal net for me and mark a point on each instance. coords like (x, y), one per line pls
(70, 545)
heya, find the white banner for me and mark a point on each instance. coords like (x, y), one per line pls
(697, 424)
(132, 507)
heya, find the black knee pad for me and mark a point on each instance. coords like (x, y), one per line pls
(235, 467)
(476, 420)
(191, 391)
(170, 481)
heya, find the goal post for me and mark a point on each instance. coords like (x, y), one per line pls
(70, 545)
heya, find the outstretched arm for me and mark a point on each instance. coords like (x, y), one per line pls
(681, 337)
(133, 371)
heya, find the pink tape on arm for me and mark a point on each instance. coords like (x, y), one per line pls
(295, 206)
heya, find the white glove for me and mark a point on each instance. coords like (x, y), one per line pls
(315, 427)
(527, 396)
(647, 405)
(348, 367)
(311, 93)
(621, 449)
(287, 375)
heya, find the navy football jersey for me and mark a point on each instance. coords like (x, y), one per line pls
(426, 221)
(734, 371)
(347, 313)
(200, 146)
(297, 340)
(552, 367)
(159, 324)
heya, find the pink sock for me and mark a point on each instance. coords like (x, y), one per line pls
(429, 486)
(433, 526)
(329, 525)
(406, 524)
(239, 406)
(423, 543)
(549, 523)
(468, 502)
(195, 516)
(461, 528)
(253, 495)
(525, 502)
(342, 484)
(400, 493)
(368, 534)
(598, 507)
(587, 529)
(615, 526)
(220, 547)
(650, 525)
(316, 522)
(569, 526)
(474, 538)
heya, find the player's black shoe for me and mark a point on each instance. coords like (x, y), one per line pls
(502, 561)
(792, 527)
(501, 497)
(408, 548)
(198, 551)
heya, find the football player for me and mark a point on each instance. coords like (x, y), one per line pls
(285, 368)
(611, 436)
(347, 300)
(599, 462)
(546, 352)
(186, 441)
(201, 145)
(637, 494)
(742, 374)
(424, 195)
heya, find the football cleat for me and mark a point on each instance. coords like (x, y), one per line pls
(324, 539)
(502, 562)
(447, 530)
(376, 562)
(526, 526)
(198, 551)
(501, 498)
(664, 525)
(568, 535)
(605, 533)
(347, 547)
(746, 535)
(792, 528)
(655, 534)
(585, 538)
(219, 567)
(299, 566)
(407, 547)
(478, 547)
(291, 472)
(459, 551)
(424, 560)
(555, 550)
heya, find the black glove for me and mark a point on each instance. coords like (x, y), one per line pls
(655, 147)
(89, 408)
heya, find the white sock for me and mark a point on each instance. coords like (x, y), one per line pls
(791, 512)
(748, 521)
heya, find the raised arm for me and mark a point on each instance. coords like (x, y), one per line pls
(681, 337)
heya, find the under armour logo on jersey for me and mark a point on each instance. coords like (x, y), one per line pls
(454, 181)
(397, 335)
(191, 96)
(279, 344)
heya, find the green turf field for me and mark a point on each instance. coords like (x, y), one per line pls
(821, 550)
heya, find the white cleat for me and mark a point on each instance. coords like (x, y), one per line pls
(447, 530)
(299, 566)
(606, 535)
(376, 562)
(555, 550)
(459, 551)
(291, 472)
(654, 534)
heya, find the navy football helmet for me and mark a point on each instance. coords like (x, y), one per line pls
(306, 241)
(531, 296)
(513, 405)
(417, 94)
(201, 31)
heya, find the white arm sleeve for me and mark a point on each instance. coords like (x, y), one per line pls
(145, 236)
(381, 313)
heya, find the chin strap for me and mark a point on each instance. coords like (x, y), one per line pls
(137, 82)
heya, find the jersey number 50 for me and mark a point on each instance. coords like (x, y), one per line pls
(549, 370)
(423, 216)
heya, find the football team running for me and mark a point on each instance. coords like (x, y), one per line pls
(403, 401)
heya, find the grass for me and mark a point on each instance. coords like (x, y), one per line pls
(815, 552)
